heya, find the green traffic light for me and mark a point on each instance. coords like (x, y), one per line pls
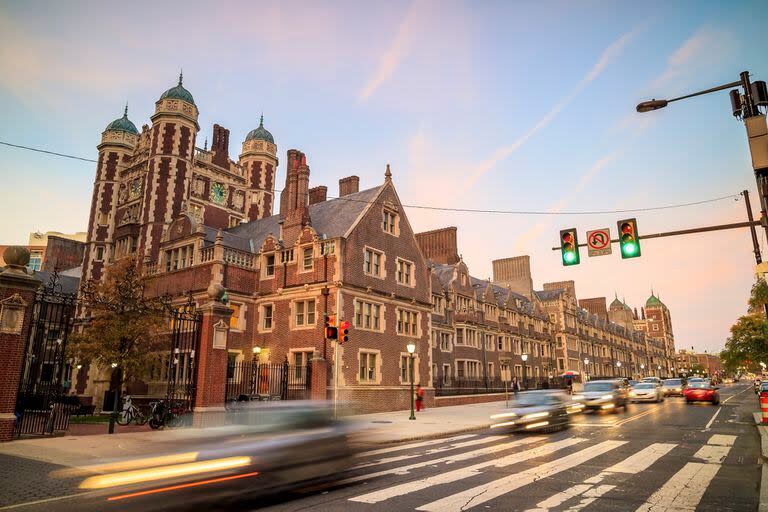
(629, 249)
(569, 257)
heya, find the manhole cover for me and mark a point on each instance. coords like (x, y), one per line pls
(381, 421)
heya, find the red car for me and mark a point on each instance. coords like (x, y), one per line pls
(701, 392)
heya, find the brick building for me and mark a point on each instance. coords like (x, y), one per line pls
(196, 219)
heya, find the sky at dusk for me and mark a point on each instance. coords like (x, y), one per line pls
(487, 105)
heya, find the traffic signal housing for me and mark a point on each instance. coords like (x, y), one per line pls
(343, 331)
(569, 247)
(629, 240)
(331, 331)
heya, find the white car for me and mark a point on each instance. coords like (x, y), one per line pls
(646, 392)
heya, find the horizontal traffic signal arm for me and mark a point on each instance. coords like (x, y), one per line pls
(705, 229)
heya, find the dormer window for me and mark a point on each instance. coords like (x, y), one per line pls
(269, 265)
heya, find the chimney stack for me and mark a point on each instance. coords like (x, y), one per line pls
(220, 146)
(318, 194)
(349, 185)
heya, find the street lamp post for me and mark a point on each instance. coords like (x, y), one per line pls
(618, 368)
(411, 347)
(586, 368)
(524, 357)
(642, 369)
(745, 105)
(255, 370)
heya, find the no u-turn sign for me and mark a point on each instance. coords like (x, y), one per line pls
(599, 242)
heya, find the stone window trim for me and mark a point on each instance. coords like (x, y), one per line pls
(309, 314)
(445, 341)
(446, 374)
(359, 305)
(364, 352)
(410, 276)
(415, 324)
(304, 251)
(405, 356)
(268, 270)
(263, 317)
(102, 218)
(390, 223)
(99, 253)
(306, 356)
(238, 360)
(465, 365)
(382, 267)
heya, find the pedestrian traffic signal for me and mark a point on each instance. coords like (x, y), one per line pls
(629, 241)
(343, 331)
(331, 331)
(569, 246)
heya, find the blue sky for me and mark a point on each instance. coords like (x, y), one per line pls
(502, 105)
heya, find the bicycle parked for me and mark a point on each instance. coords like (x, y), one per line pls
(161, 415)
(131, 413)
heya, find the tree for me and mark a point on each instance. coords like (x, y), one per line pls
(748, 344)
(123, 327)
(759, 297)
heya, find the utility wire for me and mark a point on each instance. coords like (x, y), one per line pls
(458, 210)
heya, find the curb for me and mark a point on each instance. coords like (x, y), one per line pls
(763, 431)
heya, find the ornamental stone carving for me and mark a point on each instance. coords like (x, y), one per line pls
(12, 314)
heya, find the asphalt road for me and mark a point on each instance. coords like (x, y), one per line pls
(652, 457)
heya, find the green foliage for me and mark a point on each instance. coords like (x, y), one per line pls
(759, 297)
(125, 327)
(748, 344)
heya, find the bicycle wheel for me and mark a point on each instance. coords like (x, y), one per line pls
(141, 418)
(124, 417)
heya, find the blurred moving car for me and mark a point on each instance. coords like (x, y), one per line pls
(655, 380)
(763, 389)
(537, 410)
(258, 450)
(632, 383)
(757, 385)
(672, 387)
(604, 395)
(646, 392)
(701, 392)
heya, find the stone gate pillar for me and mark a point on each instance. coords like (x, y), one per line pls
(211, 386)
(17, 296)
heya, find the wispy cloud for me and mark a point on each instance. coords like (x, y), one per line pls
(705, 48)
(613, 51)
(394, 54)
(521, 244)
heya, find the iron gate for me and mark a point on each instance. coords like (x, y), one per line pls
(182, 360)
(46, 374)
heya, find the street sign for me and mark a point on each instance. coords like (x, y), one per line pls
(599, 242)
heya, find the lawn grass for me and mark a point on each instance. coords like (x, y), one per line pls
(96, 418)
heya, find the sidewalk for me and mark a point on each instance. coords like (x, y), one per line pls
(379, 428)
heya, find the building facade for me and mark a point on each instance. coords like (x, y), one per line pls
(196, 220)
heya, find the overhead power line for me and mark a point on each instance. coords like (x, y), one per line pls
(457, 210)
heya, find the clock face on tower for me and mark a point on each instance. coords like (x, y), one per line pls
(218, 193)
(135, 190)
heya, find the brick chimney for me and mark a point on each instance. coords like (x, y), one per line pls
(318, 194)
(349, 185)
(514, 272)
(294, 201)
(220, 146)
(568, 286)
(439, 245)
(596, 306)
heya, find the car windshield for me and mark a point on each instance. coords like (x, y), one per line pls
(696, 379)
(533, 399)
(647, 385)
(698, 384)
(598, 386)
(650, 379)
(673, 382)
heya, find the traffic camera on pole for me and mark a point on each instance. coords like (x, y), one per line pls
(343, 331)
(569, 247)
(629, 241)
(331, 331)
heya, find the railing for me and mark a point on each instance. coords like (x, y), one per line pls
(206, 254)
(248, 381)
(239, 258)
(480, 385)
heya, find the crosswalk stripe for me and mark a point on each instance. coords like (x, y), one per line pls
(684, 490)
(590, 496)
(482, 493)
(460, 474)
(635, 463)
(414, 445)
(453, 446)
(403, 470)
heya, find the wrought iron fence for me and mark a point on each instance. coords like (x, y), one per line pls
(446, 386)
(248, 381)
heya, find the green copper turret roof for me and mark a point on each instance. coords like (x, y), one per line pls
(260, 133)
(178, 93)
(653, 300)
(123, 124)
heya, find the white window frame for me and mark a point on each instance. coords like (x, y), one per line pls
(263, 317)
(305, 312)
(390, 222)
(266, 274)
(304, 267)
(411, 275)
(366, 353)
(373, 252)
(404, 318)
(364, 308)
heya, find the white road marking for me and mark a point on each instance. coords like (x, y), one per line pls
(591, 496)
(740, 392)
(635, 463)
(453, 446)
(482, 493)
(683, 491)
(637, 416)
(414, 445)
(709, 423)
(403, 470)
(460, 474)
(47, 500)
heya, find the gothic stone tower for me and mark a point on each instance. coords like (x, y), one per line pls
(259, 161)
